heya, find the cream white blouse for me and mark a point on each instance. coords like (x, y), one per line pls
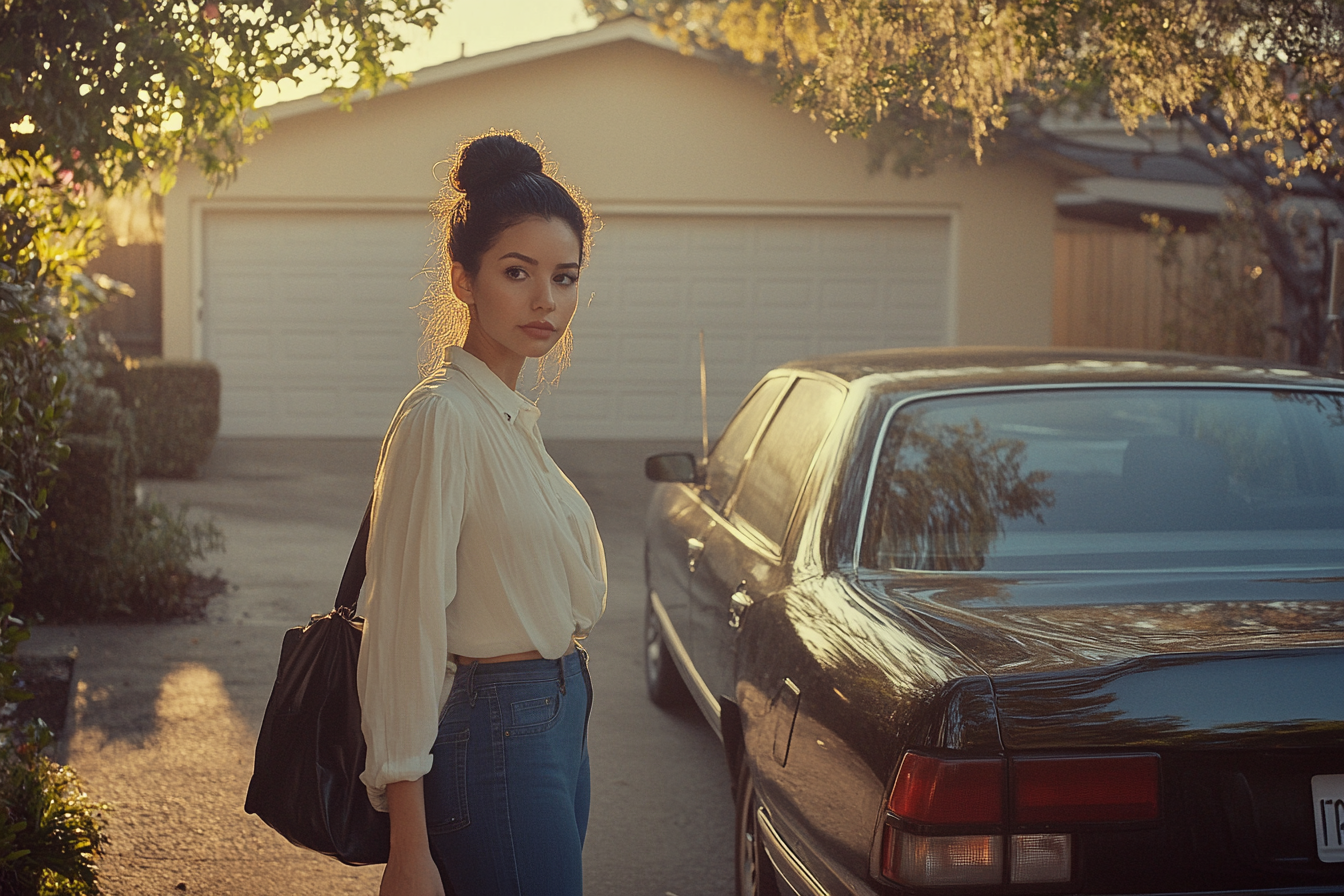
(479, 546)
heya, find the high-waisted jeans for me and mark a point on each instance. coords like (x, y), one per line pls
(506, 799)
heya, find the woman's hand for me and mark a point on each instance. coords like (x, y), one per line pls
(411, 875)
(410, 867)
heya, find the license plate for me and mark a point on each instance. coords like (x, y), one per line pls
(1327, 804)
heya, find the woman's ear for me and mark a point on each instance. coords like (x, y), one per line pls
(462, 284)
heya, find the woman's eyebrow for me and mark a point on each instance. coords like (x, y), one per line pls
(532, 261)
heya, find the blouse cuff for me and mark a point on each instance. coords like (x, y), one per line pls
(409, 770)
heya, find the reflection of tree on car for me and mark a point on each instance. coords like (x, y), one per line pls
(942, 491)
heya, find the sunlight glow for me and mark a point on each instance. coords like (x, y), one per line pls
(473, 26)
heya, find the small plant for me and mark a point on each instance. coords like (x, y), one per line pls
(12, 632)
(144, 573)
(51, 832)
(1221, 295)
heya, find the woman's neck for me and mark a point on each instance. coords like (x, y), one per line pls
(502, 363)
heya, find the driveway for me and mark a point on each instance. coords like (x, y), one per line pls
(166, 716)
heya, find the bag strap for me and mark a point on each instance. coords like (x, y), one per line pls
(347, 596)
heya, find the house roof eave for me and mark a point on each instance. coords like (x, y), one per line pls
(626, 28)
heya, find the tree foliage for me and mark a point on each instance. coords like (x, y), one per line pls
(108, 95)
(1272, 67)
(44, 233)
(115, 90)
(1257, 86)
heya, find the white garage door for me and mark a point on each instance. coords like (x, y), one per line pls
(310, 318)
(308, 315)
(764, 290)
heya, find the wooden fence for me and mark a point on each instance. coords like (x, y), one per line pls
(135, 322)
(1109, 293)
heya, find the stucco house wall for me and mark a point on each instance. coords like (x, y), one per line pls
(645, 131)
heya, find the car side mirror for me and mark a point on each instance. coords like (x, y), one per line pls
(679, 466)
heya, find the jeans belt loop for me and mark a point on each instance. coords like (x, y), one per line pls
(560, 664)
(471, 683)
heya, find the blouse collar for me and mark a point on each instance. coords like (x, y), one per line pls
(509, 402)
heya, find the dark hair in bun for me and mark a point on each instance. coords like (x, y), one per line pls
(490, 160)
(496, 180)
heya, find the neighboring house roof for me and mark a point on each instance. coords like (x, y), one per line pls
(627, 28)
(1133, 176)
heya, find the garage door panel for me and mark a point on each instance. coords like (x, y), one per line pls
(764, 290)
(311, 316)
(867, 294)
(720, 295)
(304, 308)
(637, 351)
(245, 345)
(300, 404)
(375, 345)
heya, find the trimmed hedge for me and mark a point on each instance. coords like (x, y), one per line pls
(176, 407)
(98, 554)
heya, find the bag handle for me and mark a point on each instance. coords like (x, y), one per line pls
(347, 596)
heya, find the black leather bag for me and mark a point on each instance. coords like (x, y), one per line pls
(305, 781)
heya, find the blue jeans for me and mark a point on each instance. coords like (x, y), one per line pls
(506, 799)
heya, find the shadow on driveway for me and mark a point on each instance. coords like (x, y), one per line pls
(165, 716)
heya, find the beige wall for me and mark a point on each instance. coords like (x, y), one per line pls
(636, 127)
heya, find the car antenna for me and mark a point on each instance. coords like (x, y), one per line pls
(1335, 301)
(704, 403)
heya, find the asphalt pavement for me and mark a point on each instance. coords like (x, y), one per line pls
(165, 717)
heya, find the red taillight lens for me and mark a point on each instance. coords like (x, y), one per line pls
(938, 791)
(1085, 789)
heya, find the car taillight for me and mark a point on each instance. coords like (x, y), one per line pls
(960, 795)
(940, 791)
(1085, 789)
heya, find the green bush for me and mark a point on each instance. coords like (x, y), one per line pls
(143, 572)
(51, 832)
(176, 408)
(97, 554)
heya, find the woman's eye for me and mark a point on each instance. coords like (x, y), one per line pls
(566, 279)
(515, 273)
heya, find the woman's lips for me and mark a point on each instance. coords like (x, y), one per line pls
(539, 329)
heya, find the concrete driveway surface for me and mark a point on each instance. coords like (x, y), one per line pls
(165, 717)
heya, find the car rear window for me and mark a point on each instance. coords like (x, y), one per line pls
(1110, 478)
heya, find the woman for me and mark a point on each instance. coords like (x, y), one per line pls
(484, 564)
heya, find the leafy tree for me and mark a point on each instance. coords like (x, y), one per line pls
(1255, 83)
(108, 95)
(117, 89)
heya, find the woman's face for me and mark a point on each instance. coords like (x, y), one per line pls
(523, 296)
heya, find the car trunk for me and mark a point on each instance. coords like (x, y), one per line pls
(1240, 698)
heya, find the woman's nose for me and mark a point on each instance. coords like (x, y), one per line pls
(545, 298)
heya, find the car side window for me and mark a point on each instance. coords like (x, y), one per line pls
(725, 461)
(777, 468)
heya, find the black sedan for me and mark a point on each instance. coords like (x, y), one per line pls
(1015, 621)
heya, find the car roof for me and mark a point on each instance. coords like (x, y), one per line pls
(971, 366)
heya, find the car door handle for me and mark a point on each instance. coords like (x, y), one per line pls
(694, 548)
(737, 605)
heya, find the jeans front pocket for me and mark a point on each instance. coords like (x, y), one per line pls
(537, 713)
(446, 784)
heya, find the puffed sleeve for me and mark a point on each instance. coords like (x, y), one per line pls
(418, 498)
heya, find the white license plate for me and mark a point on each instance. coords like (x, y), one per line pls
(1327, 804)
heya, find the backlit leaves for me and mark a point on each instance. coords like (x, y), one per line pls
(1273, 67)
(120, 90)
